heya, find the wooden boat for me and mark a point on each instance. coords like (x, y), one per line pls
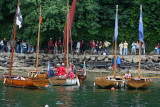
(19, 81)
(109, 81)
(113, 80)
(82, 76)
(41, 75)
(62, 80)
(139, 81)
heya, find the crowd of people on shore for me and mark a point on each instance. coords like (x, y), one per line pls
(19, 47)
(98, 47)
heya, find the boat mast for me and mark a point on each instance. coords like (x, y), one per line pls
(67, 32)
(15, 27)
(115, 42)
(38, 39)
(139, 50)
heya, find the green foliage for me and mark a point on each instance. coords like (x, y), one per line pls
(94, 19)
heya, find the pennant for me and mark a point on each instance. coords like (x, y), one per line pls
(40, 19)
(141, 27)
(19, 18)
(116, 27)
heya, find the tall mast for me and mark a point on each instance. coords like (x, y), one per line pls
(139, 50)
(116, 18)
(15, 27)
(67, 32)
(38, 39)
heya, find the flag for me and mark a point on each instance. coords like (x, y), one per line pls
(116, 27)
(84, 69)
(19, 18)
(49, 65)
(40, 19)
(141, 27)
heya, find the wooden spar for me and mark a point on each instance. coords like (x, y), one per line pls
(38, 39)
(115, 59)
(139, 50)
(115, 66)
(13, 41)
(139, 58)
(67, 33)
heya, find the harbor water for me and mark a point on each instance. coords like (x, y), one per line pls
(86, 95)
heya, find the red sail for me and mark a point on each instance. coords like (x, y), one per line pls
(71, 17)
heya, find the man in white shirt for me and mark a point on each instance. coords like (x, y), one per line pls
(121, 47)
(134, 47)
(78, 47)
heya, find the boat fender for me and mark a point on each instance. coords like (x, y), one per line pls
(108, 78)
(4, 80)
(32, 75)
(77, 81)
(117, 83)
(94, 84)
(28, 74)
(145, 79)
(35, 75)
(46, 105)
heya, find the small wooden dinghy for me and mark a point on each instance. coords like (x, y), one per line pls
(63, 81)
(19, 81)
(138, 82)
(81, 78)
(41, 75)
(108, 81)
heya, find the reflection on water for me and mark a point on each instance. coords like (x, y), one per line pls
(85, 95)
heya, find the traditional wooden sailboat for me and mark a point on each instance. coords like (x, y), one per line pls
(139, 81)
(37, 73)
(63, 80)
(19, 81)
(113, 80)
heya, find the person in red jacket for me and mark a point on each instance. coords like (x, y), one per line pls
(63, 69)
(58, 70)
(50, 45)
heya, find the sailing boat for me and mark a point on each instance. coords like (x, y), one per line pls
(38, 74)
(14, 80)
(139, 81)
(113, 80)
(63, 80)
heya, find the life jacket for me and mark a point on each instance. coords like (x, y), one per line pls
(63, 70)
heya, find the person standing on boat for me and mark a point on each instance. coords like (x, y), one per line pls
(121, 48)
(125, 48)
(127, 75)
(158, 48)
(51, 73)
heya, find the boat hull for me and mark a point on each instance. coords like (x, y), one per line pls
(138, 82)
(62, 81)
(106, 82)
(24, 82)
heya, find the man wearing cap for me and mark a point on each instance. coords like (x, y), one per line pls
(50, 45)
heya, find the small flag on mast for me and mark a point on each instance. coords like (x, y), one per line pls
(40, 19)
(141, 26)
(116, 24)
(19, 18)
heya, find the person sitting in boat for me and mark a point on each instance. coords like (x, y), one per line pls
(51, 73)
(70, 74)
(58, 70)
(128, 74)
(63, 70)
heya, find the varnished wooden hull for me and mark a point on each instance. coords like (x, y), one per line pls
(18, 81)
(105, 82)
(62, 81)
(43, 75)
(138, 82)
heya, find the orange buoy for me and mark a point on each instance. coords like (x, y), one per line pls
(112, 88)
(46, 86)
